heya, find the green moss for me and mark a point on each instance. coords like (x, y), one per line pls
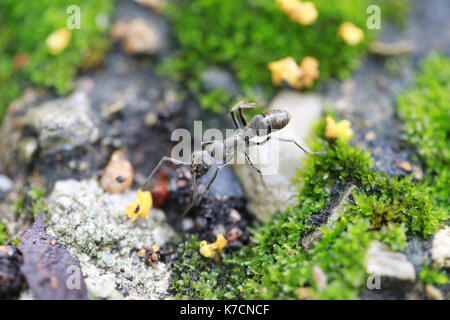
(274, 265)
(25, 27)
(30, 202)
(245, 36)
(425, 110)
(198, 277)
(3, 234)
(5, 237)
(433, 276)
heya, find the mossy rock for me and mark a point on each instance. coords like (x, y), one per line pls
(245, 36)
(25, 57)
(275, 264)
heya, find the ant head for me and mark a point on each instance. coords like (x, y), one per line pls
(201, 162)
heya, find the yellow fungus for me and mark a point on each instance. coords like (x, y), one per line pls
(310, 69)
(141, 206)
(58, 40)
(210, 250)
(351, 34)
(304, 13)
(207, 250)
(220, 243)
(285, 69)
(297, 76)
(339, 129)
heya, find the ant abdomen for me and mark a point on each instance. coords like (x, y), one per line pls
(263, 124)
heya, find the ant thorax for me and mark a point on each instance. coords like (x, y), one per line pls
(221, 150)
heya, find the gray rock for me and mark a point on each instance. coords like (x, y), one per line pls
(63, 124)
(279, 160)
(418, 251)
(440, 251)
(385, 263)
(139, 36)
(215, 78)
(6, 183)
(93, 226)
(27, 148)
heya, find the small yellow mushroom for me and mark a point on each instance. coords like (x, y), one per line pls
(220, 243)
(210, 250)
(339, 130)
(285, 69)
(297, 76)
(207, 250)
(310, 69)
(58, 40)
(351, 34)
(140, 207)
(304, 13)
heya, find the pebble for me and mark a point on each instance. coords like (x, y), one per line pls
(319, 277)
(404, 165)
(440, 251)
(370, 136)
(138, 36)
(27, 148)
(6, 184)
(118, 175)
(234, 234)
(235, 216)
(380, 260)
(187, 224)
(151, 119)
(433, 293)
(417, 173)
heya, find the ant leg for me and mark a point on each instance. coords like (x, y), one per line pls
(233, 116)
(298, 145)
(196, 200)
(256, 168)
(240, 106)
(214, 178)
(193, 203)
(174, 161)
(267, 139)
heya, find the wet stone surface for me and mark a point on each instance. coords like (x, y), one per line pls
(368, 98)
(222, 210)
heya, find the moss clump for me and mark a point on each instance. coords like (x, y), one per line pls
(275, 264)
(425, 110)
(25, 56)
(30, 202)
(245, 36)
(198, 277)
(5, 237)
(386, 209)
(433, 276)
(3, 234)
